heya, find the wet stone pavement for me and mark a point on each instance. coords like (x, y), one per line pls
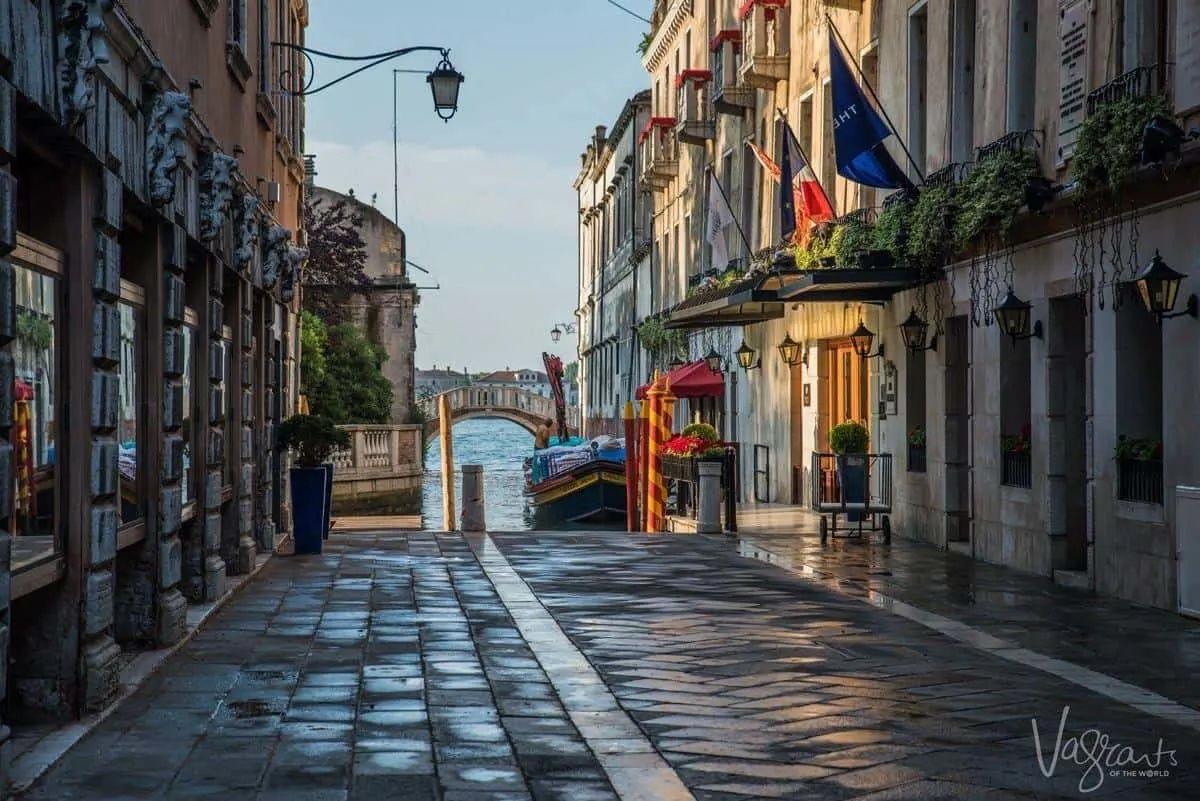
(423, 666)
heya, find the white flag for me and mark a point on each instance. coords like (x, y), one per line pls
(720, 216)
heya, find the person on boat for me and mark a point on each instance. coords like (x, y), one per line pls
(541, 439)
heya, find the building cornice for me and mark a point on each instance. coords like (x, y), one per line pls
(664, 36)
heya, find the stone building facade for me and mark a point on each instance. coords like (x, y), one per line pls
(150, 254)
(1066, 504)
(387, 311)
(614, 266)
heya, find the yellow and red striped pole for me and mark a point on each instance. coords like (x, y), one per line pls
(666, 419)
(656, 493)
(631, 469)
(643, 449)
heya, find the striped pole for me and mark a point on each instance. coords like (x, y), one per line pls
(666, 418)
(643, 448)
(631, 469)
(656, 496)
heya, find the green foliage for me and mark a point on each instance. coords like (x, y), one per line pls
(659, 340)
(34, 331)
(312, 437)
(917, 436)
(571, 372)
(702, 430)
(822, 244)
(849, 437)
(853, 238)
(991, 196)
(644, 45)
(1109, 142)
(1138, 450)
(891, 229)
(930, 229)
(352, 387)
(313, 336)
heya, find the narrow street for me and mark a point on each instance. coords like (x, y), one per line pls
(586, 667)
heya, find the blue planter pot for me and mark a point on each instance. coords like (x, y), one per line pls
(308, 508)
(328, 498)
(852, 475)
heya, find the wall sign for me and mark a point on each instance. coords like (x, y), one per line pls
(1186, 81)
(807, 395)
(889, 390)
(1072, 74)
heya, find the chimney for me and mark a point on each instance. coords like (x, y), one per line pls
(310, 169)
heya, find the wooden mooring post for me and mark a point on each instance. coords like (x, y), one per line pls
(446, 425)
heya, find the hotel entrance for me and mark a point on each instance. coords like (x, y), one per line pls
(845, 392)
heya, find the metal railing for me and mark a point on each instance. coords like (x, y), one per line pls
(1140, 480)
(1016, 469)
(916, 458)
(1137, 82)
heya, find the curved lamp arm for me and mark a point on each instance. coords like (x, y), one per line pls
(374, 60)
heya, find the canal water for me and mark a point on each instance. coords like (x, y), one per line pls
(501, 447)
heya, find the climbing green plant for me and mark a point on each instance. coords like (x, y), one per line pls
(660, 340)
(931, 225)
(822, 244)
(891, 228)
(991, 196)
(853, 237)
(1107, 149)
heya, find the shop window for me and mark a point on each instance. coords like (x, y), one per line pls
(129, 424)
(1015, 444)
(34, 433)
(187, 380)
(914, 409)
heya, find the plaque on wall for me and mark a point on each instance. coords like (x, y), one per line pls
(1186, 81)
(889, 390)
(1072, 75)
(807, 395)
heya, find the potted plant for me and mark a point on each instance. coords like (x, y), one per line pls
(849, 440)
(311, 439)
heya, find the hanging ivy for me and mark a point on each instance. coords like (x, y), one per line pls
(991, 196)
(930, 225)
(891, 229)
(1109, 143)
(34, 331)
(856, 237)
(660, 340)
(821, 244)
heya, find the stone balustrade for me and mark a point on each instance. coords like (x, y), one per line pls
(380, 473)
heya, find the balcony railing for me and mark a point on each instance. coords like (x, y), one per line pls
(1138, 82)
(695, 124)
(916, 458)
(660, 152)
(764, 43)
(730, 95)
(377, 450)
(1016, 469)
(1140, 480)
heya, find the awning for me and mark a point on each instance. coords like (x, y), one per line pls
(855, 284)
(693, 380)
(747, 301)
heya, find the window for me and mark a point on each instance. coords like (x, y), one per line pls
(914, 409)
(235, 43)
(1015, 433)
(1139, 402)
(264, 46)
(962, 101)
(129, 423)
(189, 437)
(229, 381)
(870, 69)
(1140, 34)
(829, 156)
(746, 188)
(1022, 64)
(34, 432)
(918, 78)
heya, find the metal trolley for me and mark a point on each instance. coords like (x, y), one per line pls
(860, 487)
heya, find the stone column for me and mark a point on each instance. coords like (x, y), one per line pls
(99, 651)
(214, 476)
(247, 551)
(8, 230)
(171, 611)
(270, 407)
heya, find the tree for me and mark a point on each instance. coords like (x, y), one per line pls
(571, 372)
(337, 257)
(313, 338)
(351, 387)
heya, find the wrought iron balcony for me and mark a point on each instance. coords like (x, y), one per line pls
(730, 95)
(660, 152)
(764, 43)
(1138, 82)
(695, 124)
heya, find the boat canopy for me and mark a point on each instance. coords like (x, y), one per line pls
(693, 380)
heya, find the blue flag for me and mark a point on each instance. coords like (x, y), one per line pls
(858, 131)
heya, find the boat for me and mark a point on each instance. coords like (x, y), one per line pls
(575, 480)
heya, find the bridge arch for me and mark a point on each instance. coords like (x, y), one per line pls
(526, 409)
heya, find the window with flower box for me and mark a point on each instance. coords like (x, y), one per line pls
(914, 409)
(1138, 450)
(1016, 463)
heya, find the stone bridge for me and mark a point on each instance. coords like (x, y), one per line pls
(526, 409)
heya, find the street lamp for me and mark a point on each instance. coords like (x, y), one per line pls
(1012, 315)
(445, 81)
(745, 356)
(559, 329)
(914, 330)
(713, 360)
(861, 339)
(791, 351)
(1158, 285)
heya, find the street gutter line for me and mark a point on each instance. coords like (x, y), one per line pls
(635, 769)
(1131, 695)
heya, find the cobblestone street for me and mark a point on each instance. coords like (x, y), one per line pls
(601, 666)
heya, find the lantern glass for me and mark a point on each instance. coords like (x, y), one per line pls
(913, 331)
(745, 356)
(861, 339)
(675, 364)
(1158, 285)
(555, 334)
(445, 81)
(713, 360)
(789, 350)
(1012, 315)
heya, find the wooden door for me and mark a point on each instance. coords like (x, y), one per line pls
(848, 384)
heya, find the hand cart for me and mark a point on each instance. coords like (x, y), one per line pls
(858, 486)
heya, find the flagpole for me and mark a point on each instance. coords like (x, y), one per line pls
(878, 104)
(737, 224)
(804, 155)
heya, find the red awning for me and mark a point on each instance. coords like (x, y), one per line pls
(693, 380)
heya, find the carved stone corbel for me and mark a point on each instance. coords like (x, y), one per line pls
(166, 145)
(81, 47)
(248, 224)
(291, 275)
(275, 254)
(216, 193)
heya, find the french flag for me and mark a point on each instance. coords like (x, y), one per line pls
(801, 196)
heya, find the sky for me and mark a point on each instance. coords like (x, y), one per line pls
(486, 200)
